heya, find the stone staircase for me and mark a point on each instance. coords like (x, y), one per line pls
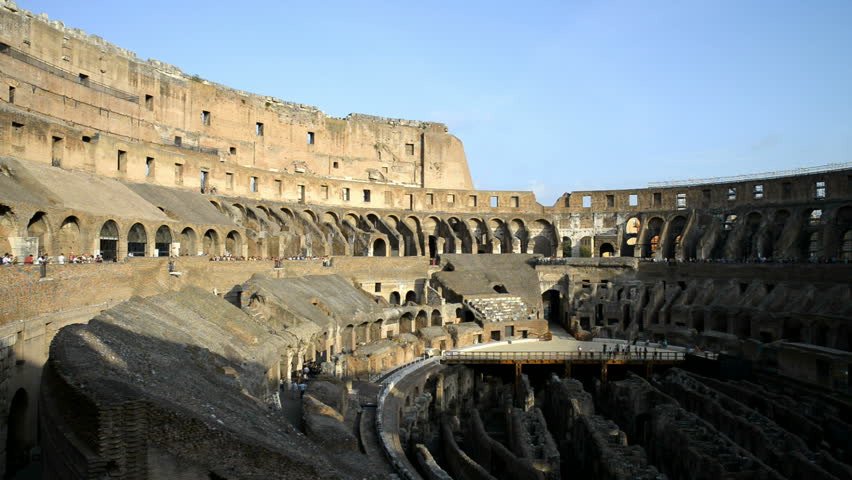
(498, 309)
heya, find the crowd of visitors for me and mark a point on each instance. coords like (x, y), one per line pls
(44, 258)
(673, 261)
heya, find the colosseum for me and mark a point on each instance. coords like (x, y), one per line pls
(206, 283)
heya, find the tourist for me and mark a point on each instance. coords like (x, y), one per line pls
(61, 259)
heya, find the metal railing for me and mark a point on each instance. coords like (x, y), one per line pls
(485, 356)
(752, 176)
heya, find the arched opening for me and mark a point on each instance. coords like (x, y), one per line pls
(108, 241)
(652, 234)
(750, 246)
(68, 237)
(37, 227)
(234, 244)
(433, 246)
(18, 445)
(500, 288)
(846, 247)
(675, 236)
(436, 318)
(187, 242)
(844, 233)
(376, 330)
(544, 240)
(586, 247)
(519, 232)
(567, 247)
(542, 246)
(163, 241)
(211, 244)
(137, 241)
(631, 237)
(8, 224)
(551, 306)
(411, 297)
(380, 248)
(394, 298)
(405, 323)
(814, 245)
(422, 321)
(606, 250)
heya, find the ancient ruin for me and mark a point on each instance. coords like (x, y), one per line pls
(239, 287)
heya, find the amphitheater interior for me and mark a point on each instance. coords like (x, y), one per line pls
(239, 287)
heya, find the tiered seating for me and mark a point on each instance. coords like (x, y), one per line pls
(498, 309)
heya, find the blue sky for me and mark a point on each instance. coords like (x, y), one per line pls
(546, 96)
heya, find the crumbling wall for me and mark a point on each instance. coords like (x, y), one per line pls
(590, 443)
(460, 465)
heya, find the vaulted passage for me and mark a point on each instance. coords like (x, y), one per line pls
(68, 239)
(163, 241)
(108, 241)
(137, 241)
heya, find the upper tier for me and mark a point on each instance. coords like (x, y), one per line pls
(73, 77)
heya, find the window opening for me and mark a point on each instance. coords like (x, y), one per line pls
(121, 161)
(633, 200)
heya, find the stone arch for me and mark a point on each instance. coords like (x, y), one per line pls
(188, 241)
(422, 320)
(814, 245)
(846, 246)
(480, 235)
(416, 227)
(750, 245)
(435, 237)
(406, 322)
(436, 318)
(39, 228)
(291, 217)
(379, 225)
(410, 296)
(108, 241)
(552, 305)
(394, 298)
(408, 239)
(163, 241)
(501, 232)
(18, 441)
(460, 231)
(650, 238)
(211, 244)
(842, 241)
(310, 215)
(606, 250)
(519, 232)
(68, 238)
(8, 228)
(234, 243)
(380, 248)
(376, 330)
(137, 240)
(586, 246)
(567, 245)
(544, 238)
(631, 236)
(674, 237)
